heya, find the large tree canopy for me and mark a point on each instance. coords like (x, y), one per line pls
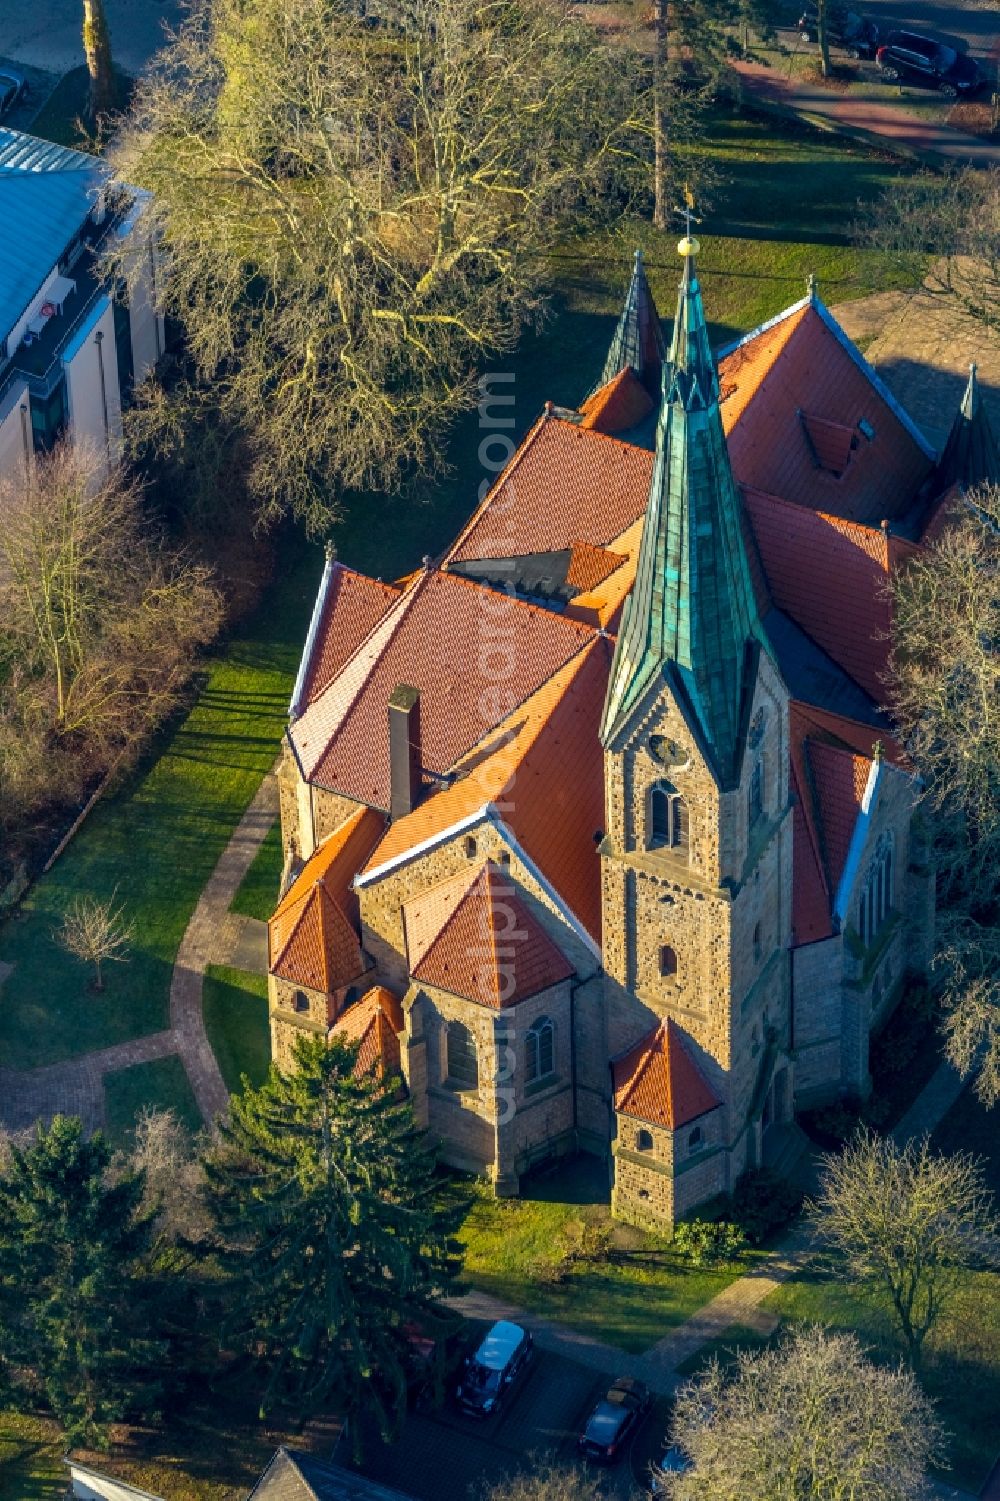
(943, 691)
(331, 1234)
(353, 213)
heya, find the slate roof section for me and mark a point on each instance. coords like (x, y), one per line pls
(971, 456)
(540, 775)
(348, 607)
(659, 1081)
(313, 937)
(565, 484)
(803, 359)
(490, 948)
(374, 1022)
(295, 1476)
(637, 343)
(444, 636)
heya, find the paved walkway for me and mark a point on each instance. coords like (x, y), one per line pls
(214, 936)
(737, 1304)
(894, 128)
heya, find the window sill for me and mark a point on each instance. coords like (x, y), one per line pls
(538, 1086)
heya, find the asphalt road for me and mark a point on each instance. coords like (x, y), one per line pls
(47, 33)
(444, 1456)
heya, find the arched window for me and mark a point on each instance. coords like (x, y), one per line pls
(539, 1050)
(695, 1139)
(876, 893)
(644, 1140)
(463, 1064)
(668, 818)
(668, 961)
(300, 1001)
(755, 792)
(470, 847)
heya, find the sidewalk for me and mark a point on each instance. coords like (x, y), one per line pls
(879, 124)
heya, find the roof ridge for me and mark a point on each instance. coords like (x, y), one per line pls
(837, 521)
(502, 478)
(875, 380)
(595, 432)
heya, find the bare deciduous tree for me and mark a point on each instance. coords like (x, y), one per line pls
(97, 932)
(810, 1420)
(909, 1222)
(353, 215)
(545, 1482)
(97, 47)
(954, 219)
(99, 623)
(945, 695)
(164, 1152)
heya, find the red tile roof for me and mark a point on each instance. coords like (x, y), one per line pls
(490, 948)
(799, 362)
(352, 607)
(590, 566)
(623, 403)
(543, 770)
(659, 1081)
(831, 758)
(565, 484)
(840, 778)
(473, 654)
(830, 576)
(374, 1023)
(312, 937)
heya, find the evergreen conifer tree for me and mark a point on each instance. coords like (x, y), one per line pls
(332, 1232)
(75, 1301)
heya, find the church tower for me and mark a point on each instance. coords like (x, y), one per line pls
(696, 867)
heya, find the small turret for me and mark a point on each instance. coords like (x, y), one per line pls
(638, 341)
(971, 455)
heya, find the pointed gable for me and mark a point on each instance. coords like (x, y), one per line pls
(971, 455)
(313, 938)
(619, 406)
(659, 1081)
(374, 1023)
(637, 343)
(692, 610)
(808, 419)
(490, 948)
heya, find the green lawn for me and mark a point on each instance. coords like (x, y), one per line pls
(258, 892)
(786, 210)
(235, 1011)
(962, 1362)
(631, 1298)
(155, 844)
(161, 1084)
(31, 1451)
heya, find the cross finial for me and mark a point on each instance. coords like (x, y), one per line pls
(689, 215)
(811, 284)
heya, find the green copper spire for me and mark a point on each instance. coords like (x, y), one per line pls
(638, 339)
(691, 617)
(971, 455)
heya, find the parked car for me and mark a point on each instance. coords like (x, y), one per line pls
(12, 88)
(616, 1416)
(844, 28)
(489, 1374)
(923, 59)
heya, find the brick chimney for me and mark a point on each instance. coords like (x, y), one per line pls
(404, 750)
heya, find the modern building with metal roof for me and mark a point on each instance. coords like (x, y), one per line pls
(70, 352)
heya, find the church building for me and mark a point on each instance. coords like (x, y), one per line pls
(595, 830)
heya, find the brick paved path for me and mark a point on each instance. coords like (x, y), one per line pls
(911, 134)
(214, 936)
